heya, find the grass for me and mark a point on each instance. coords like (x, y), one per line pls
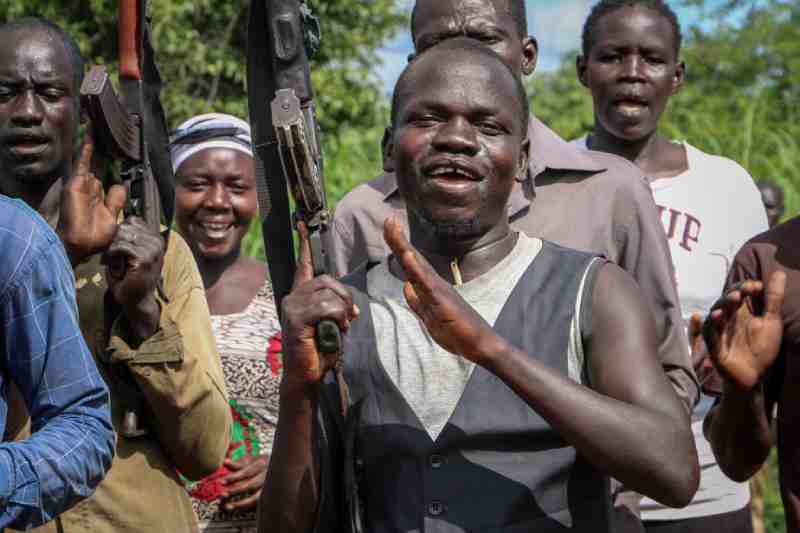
(773, 506)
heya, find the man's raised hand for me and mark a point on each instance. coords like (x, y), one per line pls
(87, 222)
(311, 300)
(743, 345)
(451, 321)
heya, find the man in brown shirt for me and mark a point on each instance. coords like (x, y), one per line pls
(156, 351)
(586, 200)
(754, 341)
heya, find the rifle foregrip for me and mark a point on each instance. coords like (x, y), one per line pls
(329, 338)
(130, 38)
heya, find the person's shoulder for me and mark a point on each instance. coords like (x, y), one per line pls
(777, 244)
(22, 226)
(622, 183)
(25, 237)
(719, 168)
(619, 172)
(565, 253)
(367, 196)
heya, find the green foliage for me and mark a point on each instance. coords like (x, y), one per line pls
(740, 96)
(201, 50)
(774, 521)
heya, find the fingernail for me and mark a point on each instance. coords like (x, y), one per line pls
(356, 310)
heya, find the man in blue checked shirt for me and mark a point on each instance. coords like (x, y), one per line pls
(45, 356)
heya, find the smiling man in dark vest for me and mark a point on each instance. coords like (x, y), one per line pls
(496, 380)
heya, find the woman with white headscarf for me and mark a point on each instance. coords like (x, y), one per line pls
(215, 202)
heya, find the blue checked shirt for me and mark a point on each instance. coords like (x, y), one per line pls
(45, 356)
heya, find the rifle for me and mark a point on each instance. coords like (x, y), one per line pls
(281, 36)
(133, 129)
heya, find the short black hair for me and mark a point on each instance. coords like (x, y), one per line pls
(471, 46)
(604, 7)
(517, 8)
(42, 24)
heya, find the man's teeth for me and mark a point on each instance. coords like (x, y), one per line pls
(441, 171)
(630, 108)
(215, 226)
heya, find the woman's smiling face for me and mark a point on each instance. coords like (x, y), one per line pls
(215, 201)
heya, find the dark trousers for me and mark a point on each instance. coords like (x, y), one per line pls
(734, 522)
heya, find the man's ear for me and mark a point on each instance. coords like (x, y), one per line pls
(387, 146)
(522, 169)
(678, 77)
(530, 55)
(580, 69)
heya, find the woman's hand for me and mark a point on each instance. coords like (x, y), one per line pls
(243, 485)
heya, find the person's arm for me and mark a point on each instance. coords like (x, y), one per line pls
(292, 495)
(743, 345)
(72, 441)
(630, 425)
(643, 252)
(178, 370)
(167, 344)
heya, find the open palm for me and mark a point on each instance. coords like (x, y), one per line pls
(744, 345)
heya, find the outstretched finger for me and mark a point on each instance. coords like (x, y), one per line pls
(695, 339)
(776, 288)
(712, 332)
(729, 304)
(412, 298)
(84, 167)
(116, 197)
(416, 268)
(305, 268)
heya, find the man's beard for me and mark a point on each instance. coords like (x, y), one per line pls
(449, 230)
(28, 176)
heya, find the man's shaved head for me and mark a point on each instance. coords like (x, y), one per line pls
(455, 49)
(516, 9)
(38, 24)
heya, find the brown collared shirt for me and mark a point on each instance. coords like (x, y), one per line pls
(183, 404)
(585, 200)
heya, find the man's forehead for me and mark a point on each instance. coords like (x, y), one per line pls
(462, 10)
(653, 28)
(467, 79)
(35, 51)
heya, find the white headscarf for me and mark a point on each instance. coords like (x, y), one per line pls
(212, 130)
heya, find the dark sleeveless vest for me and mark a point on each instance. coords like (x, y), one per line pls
(497, 466)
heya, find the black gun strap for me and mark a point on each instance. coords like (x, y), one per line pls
(157, 132)
(273, 193)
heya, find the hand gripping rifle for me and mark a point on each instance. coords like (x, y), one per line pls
(133, 129)
(281, 36)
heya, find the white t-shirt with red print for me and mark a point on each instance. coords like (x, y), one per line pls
(708, 212)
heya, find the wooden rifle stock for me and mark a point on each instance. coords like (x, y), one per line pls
(131, 35)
